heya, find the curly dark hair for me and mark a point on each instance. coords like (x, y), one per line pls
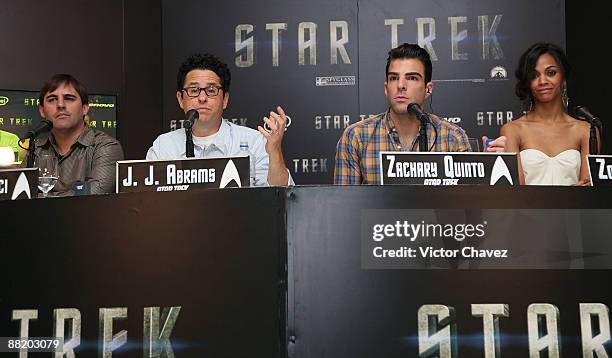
(205, 61)
(525, 73)
(408, 51)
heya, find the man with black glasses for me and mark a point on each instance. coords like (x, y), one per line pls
(203, 83)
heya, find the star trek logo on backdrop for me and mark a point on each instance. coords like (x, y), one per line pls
(3, 100)
(494, 118)
(309, 165)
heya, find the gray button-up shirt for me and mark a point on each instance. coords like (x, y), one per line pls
(91, 159)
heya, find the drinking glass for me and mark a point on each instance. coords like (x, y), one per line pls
(47, 172)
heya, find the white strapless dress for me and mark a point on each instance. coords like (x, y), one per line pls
(540, 169)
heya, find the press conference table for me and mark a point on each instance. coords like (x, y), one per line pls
(280, 272)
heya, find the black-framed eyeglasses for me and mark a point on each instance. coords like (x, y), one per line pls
(210, 91)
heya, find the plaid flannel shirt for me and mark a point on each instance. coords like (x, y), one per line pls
(359, 146)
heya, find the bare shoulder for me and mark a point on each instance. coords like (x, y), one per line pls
(514, 127)
(578, 127)
(576, 123)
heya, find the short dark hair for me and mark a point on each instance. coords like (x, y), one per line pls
(204, 62)
(525, 71)
(63, 79)
(408, 51)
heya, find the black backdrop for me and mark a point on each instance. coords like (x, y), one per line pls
(116, 48)
(262, 44)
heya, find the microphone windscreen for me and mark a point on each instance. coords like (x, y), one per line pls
(192, 115)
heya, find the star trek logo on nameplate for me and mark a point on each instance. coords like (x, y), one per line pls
(181, 175)
(600, 169)
(230, 174)
(446, 168)
(18, 183)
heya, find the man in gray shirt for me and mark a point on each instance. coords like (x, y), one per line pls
(84, 154)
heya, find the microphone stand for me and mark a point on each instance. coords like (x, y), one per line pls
(583, 113)
(423, 135)
(31, 154)
(592, 140)
(593, 147)
(189, 151)
(415, 109)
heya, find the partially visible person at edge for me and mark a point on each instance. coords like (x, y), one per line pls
(8, 139)
(203, 84)
(552, 145)
(408, 80)
(84, 154)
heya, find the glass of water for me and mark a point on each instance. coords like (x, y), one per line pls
(47, 172)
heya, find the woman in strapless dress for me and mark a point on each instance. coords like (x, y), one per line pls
(552, 145)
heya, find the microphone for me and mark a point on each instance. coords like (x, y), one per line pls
(191, 117)
(44, 126)
(583, 112)
(415, 110)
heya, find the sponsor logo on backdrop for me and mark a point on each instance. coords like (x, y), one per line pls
(310, 165)
(102, 105)
(335, 81)
(454, 120)
(3, 100)
(266, 127)
(499, 73)
(493, 118)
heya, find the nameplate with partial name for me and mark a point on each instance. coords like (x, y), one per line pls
(448, 168)
(19, 183)
(600, 169)
(181, 175)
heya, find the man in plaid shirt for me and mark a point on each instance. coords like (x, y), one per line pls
(408, 81)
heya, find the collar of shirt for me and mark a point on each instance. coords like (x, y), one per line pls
(394, 135)
(219, 143)
(86, 139)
